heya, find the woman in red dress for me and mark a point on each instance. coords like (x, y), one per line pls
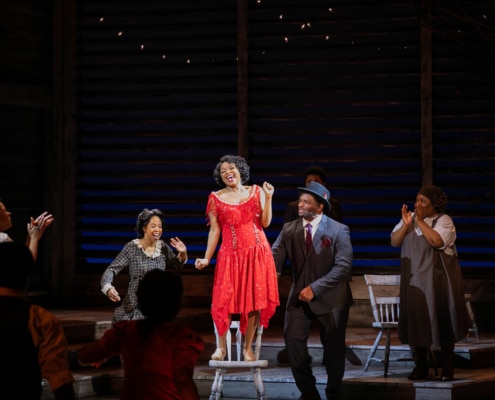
(245, 280)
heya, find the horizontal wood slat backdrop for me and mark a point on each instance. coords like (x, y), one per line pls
(335, 85)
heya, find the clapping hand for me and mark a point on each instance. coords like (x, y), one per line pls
(406, 215)
(36, 227)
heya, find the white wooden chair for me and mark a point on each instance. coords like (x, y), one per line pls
(384, 298)
(385, 308)
(223, 366)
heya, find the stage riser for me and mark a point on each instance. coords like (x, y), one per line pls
(243, 389)
(465, 357)
(81, 327)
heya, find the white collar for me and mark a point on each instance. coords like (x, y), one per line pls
(158, 248)
(314, 223)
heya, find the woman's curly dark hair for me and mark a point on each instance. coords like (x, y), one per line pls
(436, 195)
(143, 220)
(240, 164)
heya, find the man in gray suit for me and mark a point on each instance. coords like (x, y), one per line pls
(321, 263)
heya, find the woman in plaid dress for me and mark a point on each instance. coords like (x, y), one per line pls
(145, 253)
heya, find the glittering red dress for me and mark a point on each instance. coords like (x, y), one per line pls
(245, 274)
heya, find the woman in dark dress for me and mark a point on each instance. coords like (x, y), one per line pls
(432, 306)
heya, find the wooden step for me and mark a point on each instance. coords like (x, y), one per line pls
(279, 384)
(89, 324)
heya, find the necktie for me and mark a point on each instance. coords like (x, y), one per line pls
(309, 238)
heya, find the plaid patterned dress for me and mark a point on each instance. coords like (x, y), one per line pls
(138, 263)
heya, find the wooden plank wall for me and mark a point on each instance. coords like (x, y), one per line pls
(157, 108)
(337, 87)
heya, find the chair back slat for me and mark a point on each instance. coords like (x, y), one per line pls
(384, 297)
(388, 309)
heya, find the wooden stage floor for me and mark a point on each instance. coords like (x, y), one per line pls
(474, 376)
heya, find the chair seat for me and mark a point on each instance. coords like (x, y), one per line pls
(239, 364)
(385, 325)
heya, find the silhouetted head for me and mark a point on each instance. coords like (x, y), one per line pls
(159, 295)
(315, 174)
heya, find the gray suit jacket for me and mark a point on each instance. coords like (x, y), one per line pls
(326, 267)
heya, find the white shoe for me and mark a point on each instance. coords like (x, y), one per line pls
(248, 356)
(219, 354)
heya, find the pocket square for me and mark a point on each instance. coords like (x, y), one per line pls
(326, 242)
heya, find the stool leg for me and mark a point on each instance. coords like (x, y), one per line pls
(258, 383)
(373, 349)
(386, 358)
(216, 387)
(220, 384)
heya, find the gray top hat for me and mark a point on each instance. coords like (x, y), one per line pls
(319, 191)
